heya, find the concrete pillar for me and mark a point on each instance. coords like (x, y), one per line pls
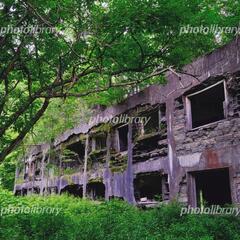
(129, 172)
(172, 158)
(107, 175)
(85, 167)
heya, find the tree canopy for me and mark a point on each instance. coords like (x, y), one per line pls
(95, 50)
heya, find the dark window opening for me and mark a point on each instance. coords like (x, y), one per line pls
(25, 177)
(78, 148)
(96, 190)
(123, 138)
(18, 193)
(148, 185)
(207, 106)
(36, 190)
(38, 172)
(24, 192)
(75, 190)
(156, 119)
(153, 124)
(213, 187)
(100, 142)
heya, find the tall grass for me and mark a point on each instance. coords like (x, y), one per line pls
(86, 220)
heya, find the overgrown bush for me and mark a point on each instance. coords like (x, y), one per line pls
(85, 220)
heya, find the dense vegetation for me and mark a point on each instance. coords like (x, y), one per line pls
(96, 50)
(99, 51)
(84, 220)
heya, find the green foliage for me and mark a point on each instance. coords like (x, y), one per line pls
(8, 169)
(70, 171)
(7, 174)
(97, 50)
(115, 220)
(60, 116)
(52, 170)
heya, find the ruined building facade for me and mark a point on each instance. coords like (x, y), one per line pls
(189, 150)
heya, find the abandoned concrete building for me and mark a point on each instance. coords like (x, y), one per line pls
(189, 149)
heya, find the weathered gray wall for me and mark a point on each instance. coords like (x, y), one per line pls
(214, 146)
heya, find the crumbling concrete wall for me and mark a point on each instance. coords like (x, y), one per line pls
(201, 148)
(174, 150)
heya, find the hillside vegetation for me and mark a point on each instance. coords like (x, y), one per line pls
(81, 219)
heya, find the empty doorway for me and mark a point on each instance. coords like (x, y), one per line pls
(212, 187)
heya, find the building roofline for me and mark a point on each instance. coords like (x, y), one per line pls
(208, 66)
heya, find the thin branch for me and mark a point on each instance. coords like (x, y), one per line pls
(97, 90)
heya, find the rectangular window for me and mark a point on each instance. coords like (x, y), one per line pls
(78, 148)
(156, 119)
(153, 123)
(100, 142)
(123, 138)
(149, 186)
(212, 187)
(206, 106)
